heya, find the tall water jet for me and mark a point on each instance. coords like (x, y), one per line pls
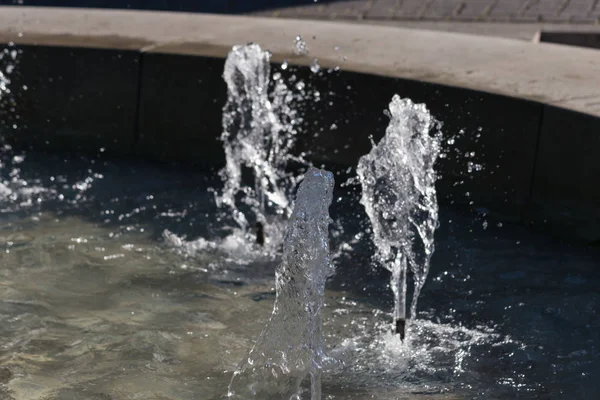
(291, 346)
(258, 133)
(398, 193)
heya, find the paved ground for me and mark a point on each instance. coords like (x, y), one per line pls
(523, 11)
(517, 19)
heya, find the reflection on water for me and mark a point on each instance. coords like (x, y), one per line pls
(95, 304)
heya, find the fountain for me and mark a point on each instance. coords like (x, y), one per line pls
(398, 193)
(258, 133)
(291, 345)
(80, 260)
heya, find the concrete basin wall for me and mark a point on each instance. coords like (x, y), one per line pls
(149, 84)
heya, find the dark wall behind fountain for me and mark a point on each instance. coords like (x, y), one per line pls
(539, 162)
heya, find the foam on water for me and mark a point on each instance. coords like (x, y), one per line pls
(434, 357)
(291, 345)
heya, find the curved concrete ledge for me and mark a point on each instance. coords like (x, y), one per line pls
(558, 75)
(149, 84)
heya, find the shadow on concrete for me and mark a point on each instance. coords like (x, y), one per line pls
(205, 6)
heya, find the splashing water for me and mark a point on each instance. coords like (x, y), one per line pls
(13, 190)
(398, 193)
(300, 46)
(291, 345)
(257, 138)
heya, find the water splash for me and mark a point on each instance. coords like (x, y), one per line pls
(398, 193)
(258, 134)
(14, 191)
(300, 46)
(433, 358)
(291, 345)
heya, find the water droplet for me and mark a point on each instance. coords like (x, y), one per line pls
(315, 67)
(300, 47)
(284, 65)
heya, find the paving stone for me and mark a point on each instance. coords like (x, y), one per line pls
(383, 9)
(411, 9)
(507, 9)
(475, 9)
(543, 7)
(579, 19)
(563, 11)
(578, 7)
(444, 9)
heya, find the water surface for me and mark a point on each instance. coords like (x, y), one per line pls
(95, 304)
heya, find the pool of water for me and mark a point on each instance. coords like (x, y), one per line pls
(97, 303)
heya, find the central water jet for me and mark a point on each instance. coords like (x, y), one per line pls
(291, 346)
(398, 193)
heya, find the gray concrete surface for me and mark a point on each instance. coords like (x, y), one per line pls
(541, 72)
(518, 11)
(521, 31)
